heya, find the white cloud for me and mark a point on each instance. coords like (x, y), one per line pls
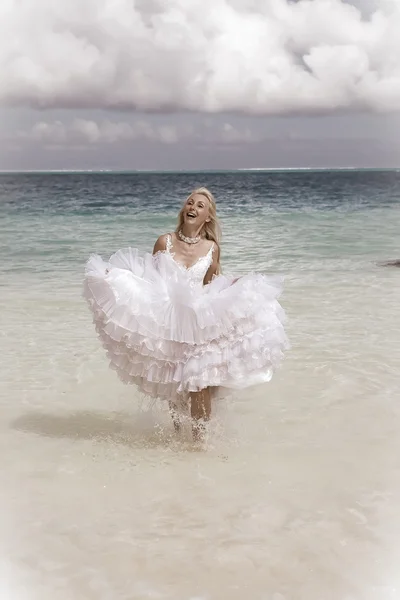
(249, 56)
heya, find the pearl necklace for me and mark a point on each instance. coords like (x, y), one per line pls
(188, 240)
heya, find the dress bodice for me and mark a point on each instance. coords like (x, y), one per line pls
(196, 272)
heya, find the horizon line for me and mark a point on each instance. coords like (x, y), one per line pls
(239, 169)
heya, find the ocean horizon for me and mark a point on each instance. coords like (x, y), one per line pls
(174, 171)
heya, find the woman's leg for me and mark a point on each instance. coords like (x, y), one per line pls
(200, 411)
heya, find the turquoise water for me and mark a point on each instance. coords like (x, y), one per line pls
(297, 495)
(284, 220)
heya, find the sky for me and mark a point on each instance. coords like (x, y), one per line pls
(199, 84)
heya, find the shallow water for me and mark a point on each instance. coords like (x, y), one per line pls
(296, 495)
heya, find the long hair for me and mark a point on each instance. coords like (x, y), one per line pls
(212, 229)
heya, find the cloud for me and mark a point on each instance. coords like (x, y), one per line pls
(243, 56)
(87, 132)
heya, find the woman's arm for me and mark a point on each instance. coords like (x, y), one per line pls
(213, 269)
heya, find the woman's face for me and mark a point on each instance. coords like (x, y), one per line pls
(196, 210)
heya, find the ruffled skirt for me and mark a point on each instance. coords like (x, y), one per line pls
(171, 338)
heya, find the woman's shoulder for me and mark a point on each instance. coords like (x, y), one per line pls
(162, 242)
(163, 239)
(214, 246)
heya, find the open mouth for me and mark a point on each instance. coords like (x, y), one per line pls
(191, 215)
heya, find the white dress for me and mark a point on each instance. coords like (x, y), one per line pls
(166, 332)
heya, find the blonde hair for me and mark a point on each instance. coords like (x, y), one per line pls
(211, 229)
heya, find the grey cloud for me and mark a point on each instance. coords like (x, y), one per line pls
(83, 131)
(88, 131)
(57, 139)
(150, 155)
(235, 56)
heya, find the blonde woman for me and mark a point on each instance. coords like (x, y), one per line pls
(177, 328)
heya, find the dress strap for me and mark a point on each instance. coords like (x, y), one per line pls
(168, 246)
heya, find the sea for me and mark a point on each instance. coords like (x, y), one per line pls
(296, 494)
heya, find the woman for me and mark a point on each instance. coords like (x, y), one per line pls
(177, 328)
